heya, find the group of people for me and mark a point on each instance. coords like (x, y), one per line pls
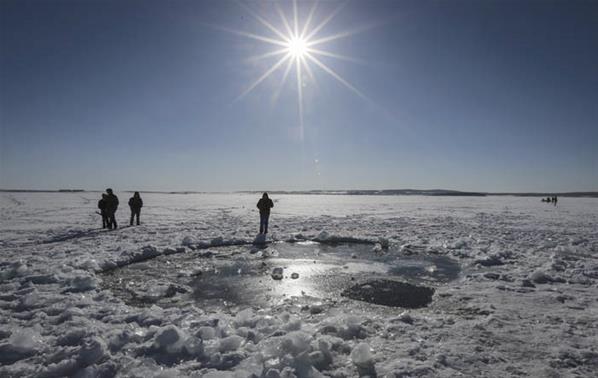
(552, 200)
(109, 204)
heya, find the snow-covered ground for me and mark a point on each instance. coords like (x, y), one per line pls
(525, 302)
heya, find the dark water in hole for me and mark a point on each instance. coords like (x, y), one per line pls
(242, 275)
(390, 293)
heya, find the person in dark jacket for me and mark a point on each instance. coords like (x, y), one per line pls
(111, 206)
(102, 205)
(135, 203)
(264, 204)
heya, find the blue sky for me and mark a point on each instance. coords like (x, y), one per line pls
(143, 95)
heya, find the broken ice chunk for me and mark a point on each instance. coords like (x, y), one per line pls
(361, 355)
(363, 360)
(277, 273)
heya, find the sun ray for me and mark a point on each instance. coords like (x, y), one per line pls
(340, 35)
(267, 55)
(308, 21)
(333, 55)
(284, 20)
(336, 76)
(254, 36)
(300, 97)
(326, 21)
(296, 19)
(283, 81)
(264, 22)
(264, 76)
(307, 69)
(310, 73)
(287, 71)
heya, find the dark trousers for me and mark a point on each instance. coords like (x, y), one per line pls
(111, 220)
(104, 219)
(264, 223)
(135, 213)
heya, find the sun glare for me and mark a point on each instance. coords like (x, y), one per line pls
(297, 47)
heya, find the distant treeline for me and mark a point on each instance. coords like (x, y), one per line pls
(428, 192)
(566, 194)
(414, 192)
(385, 192)
(43, 190)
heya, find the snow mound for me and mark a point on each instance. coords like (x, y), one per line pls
(83, 283)
(361, 355)
(363, 359)
(325, 237)
(13, 270)
(171, 345)
(22, 343)
(230, 343)
(188, 241)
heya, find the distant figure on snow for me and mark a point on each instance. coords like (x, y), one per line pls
(554, 200)
(111, 206)
(103, 206)
(264, 204)
(135, 203)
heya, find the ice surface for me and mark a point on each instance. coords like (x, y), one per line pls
(524, 302)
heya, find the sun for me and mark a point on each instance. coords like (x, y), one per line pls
(297, 47)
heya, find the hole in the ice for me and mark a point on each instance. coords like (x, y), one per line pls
(242, 275)
(390, 293)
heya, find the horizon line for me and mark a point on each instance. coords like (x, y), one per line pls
(324, 191)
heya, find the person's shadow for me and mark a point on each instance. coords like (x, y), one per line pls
(260, 240)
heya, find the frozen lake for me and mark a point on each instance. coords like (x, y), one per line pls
(512, 287)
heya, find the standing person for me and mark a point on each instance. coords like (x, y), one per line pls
(555, 200)
(135, 203)
(111, 206)
(264, 204)
(102, 205)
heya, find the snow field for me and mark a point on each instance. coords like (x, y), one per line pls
(525, 303)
